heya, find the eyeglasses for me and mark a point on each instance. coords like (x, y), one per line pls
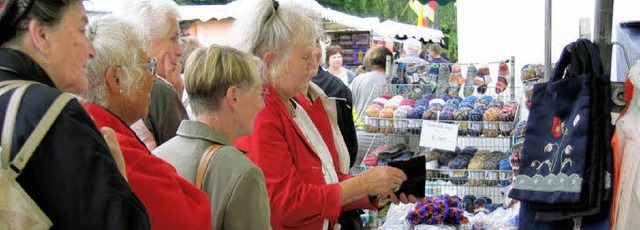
(152, 65)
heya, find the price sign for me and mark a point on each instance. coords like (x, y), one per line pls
(439, 135)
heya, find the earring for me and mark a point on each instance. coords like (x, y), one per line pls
(273, 72)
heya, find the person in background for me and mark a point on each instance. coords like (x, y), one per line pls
(75, 178)
(188, 45)
(340, 96)
(156, 22)
(304, 174)
(375, 62)
(225, 88)
(435, 51)
(334, 60)
(411, 52)
(120, 80)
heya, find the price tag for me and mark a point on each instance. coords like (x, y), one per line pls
(439, 135)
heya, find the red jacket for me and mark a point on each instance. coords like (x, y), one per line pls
(171, 201)
(298, 194)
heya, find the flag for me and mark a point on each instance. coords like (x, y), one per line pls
(425, 12)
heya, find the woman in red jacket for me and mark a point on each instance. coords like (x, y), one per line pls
(120, 81)
(306, 188)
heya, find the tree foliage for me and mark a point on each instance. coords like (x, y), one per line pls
(396, 10)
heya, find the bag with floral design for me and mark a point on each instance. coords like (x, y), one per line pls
(565, 159)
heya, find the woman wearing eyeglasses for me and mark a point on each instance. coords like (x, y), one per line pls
(120, 79)
(226, 94)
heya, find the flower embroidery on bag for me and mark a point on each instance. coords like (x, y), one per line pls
(560, 152)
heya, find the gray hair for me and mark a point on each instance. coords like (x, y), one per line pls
(277, 28)
(151, 18)
(412, 46)
(115, 46)
(210, 72)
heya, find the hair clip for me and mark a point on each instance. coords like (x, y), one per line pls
(275, 4)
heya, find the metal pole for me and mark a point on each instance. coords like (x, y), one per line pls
(602, 24)
(512, 62)
(547, 40)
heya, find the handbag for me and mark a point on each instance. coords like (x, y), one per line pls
(204, 163)
(17, 209)
(566, 157)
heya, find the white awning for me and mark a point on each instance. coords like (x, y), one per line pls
(392, 29)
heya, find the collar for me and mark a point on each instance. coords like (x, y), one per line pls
(24, 66)
(199, 130)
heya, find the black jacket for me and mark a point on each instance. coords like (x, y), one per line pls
(335, 88)
(71, 176)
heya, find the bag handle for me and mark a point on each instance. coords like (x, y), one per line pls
(204, 163)
(583, 57)
(41, 129)
(10, 116)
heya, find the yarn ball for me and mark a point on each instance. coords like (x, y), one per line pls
(421, 101)
(430, 114)
(519, 130)
(397, 98)
(492, 114)
(496, 103)
(436, 101)
(402, 111)
(385, 96)
(445, 157)
(480, 107)
(444, 96)
(460, 162)
(409, 102)
(466, 104)
(386, 112)
(469, 151)
(462, 114)
(392, 104)
(471, 98)
(431, 155)
(504, 164)
(373, 110)
(476, 114)
(380, 101)
(414, 113)
(447, 113)
(452, 102)
(428, 96)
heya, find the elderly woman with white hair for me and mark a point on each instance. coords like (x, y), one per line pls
(120, 79)
(156, 22)
(304, 169)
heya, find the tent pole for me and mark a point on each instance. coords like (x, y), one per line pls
(547, 40)
(603, 24)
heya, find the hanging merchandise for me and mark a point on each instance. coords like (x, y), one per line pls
(468, 84)
(503, 74)
(566, 156)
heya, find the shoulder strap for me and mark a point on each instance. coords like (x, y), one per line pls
(204, 163)
(38, 133)
(10, 117)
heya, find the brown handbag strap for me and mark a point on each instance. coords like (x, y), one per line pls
(204, 163)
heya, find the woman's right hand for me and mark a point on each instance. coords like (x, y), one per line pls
(114, 147)
(381, 180)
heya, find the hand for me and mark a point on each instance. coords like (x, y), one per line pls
(173, 73)
(114, 147)
(381, 180)
(403, 198)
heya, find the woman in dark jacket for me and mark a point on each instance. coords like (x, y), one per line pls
(72, 175)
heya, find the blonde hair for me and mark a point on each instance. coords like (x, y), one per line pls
(209, 72)
(115, 45)
(276, 26)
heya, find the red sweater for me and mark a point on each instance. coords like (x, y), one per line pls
(171, 201)
(298, 194)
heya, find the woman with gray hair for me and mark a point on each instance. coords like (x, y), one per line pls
(156, 22)
(302, 167)
(120, 80)
(72, 176)
(225, 88)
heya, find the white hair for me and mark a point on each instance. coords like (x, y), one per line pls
(115, 45)
(151, 18)
(412, 46)
(276, 26)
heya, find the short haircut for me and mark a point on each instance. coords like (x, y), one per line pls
(209, 72)
(276, 27)
(151, 18)
(188, 45)
(377, 56)
(115, 45)
(334, 49)
(412, 46)
(435, 48)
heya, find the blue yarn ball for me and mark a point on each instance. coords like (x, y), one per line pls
(452, 102)
(476, 115)
(414, 114)
(447, 113)
(444, 96)
(504, 164)
(428, 96)
(487, 98)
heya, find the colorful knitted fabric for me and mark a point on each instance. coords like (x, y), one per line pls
(503, 73)
(468, 84)
(437, 209)
(443, 79)
(456, 75)
(452, 102)
(434, 69)
(447, 113)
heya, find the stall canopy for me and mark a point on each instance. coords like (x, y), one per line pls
(393, 29)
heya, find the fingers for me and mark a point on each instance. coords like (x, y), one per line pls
(108, 134)
(394, 199)
(403, 198)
